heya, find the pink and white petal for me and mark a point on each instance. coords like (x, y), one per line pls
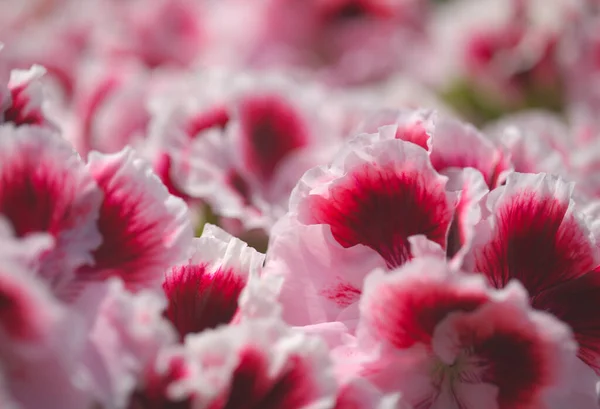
(460, 145)
(405, 371)
(102, 87)
(320, 279)
(539, 126)
(413, 126)
(44, 187)
(574, 303)
(402, 308)
(420, 246)
(259, 299)
(41, 367)
(334, 333)
(215, 245)
(530, 152)
(26, 98)
(261, 364)
(144, 228)
(203, 293)
(533, 233)
(468, 213)
(127, 335)
(25, 251)
(364, 195)
(542, 352)
(162, 383)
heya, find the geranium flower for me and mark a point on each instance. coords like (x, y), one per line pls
(45, 187)
(144, 229)
(445, 340)
(203, 292)
(535, 233)
(366, 209)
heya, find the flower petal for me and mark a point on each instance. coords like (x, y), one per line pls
(203, 293)
(367, 193)
(144, 229)
(533, 233)
(44, 187)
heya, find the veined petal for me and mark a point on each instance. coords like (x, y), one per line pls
(44, 187)
(203, 293)
(144, 228)
(533, 233)
(378, 195)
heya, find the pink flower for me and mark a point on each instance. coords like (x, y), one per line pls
(144, 229)
(343, 41)
(203, 292)
(444, 340)
(44, 187)
(260, 364)
(379, 203)
(164, 33)
(366, 192)
(508, 49)
(109, 106)
(243, 145)
(535, 233)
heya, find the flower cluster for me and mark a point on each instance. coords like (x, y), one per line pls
(299, 204)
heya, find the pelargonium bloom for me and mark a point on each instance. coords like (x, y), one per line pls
(445, 340)
(259, 364)
(243, 143)
(347, 41)
(364, 198)
(109, 106)
(365, 210)
(535, 233)
(45, 187)
(203, 292)
(165, 33)
(144, 229)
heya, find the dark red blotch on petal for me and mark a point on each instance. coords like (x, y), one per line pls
(381, 208)
(162, 168)
(131, 237)
(577, 303)
(408, 315)
(16, 312)
(199, 299)
(513, 360)
(240, 185)
(350, 10)
(536, 242)
(217, 117)
(253, 387)
(31, 197)
(153, 393)
(17, 112)
(271, 130)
